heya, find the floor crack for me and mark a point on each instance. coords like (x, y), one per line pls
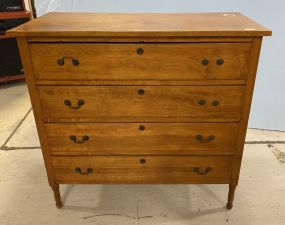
(265, 142)
(108, 214)
(6, 148)
(138, 219)
(14, 131)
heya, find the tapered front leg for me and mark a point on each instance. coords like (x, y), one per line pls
(231, 196)
(57, 197)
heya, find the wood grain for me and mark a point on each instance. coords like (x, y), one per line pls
(140, 120)
(246, 110)
(141, 24)
(158, 62)
(36, 104)
(138, 39)
(157, 101)
(138, 82)
(129, 169)
(166, 89)
(109, 138)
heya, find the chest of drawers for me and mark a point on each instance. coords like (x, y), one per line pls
(141, 98)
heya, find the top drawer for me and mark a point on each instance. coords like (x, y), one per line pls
(140, 61)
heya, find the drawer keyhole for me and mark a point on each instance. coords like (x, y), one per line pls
(142, 127)
(141, 91)
(140, 51)
(142, 161)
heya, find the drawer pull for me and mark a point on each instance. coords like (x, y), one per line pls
(79, 103)
(141, 91)
(140, 51)
(61, 62)
(201, 139)
(220, 62)
(142, 161)
(205, 62)
(74, 139)
(215, 102)
(142, 127)
(202, 102)
(79, 170)
(202, 172)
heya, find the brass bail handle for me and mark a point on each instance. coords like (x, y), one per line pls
(80, 103)
(202, 139)
(85, 172)
(73, 138)
(214, 102)
(74, 61)
(202, 172)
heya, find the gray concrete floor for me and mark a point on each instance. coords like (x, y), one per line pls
(26, 199)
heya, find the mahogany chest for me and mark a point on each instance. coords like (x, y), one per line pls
(141, 98)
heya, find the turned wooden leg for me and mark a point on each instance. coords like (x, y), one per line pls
(231, 196)
(57, 197)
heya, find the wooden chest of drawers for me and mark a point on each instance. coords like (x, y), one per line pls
(141, 98)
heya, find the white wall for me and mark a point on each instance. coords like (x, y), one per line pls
(268, 107)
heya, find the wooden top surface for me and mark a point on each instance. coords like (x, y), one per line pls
(141, 24)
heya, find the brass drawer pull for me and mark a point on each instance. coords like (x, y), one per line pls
(79, 170)
(202, 172)
(205, 62)
(142, 127)
(203, 102)
(142, 161)
(220, 61)
(61, 62)
(215, 102)
(74, 139)
(141, 91)
(140, 51)
(201, 139)
(79, 103)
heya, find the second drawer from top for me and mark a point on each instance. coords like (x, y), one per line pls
(141, 102)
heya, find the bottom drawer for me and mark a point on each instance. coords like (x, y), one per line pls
(142, 169)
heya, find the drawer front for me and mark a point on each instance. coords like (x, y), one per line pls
(140, 61)
(133, 138)
(142, 169)
(141, 102)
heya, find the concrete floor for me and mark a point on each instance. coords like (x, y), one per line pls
(26, 199)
